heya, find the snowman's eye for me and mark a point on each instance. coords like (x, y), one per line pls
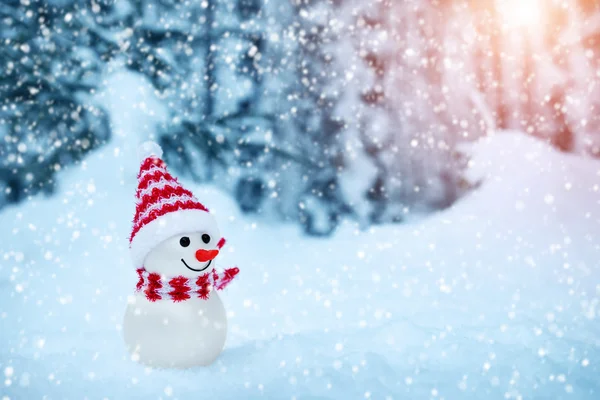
(205, 238)
(184, 241)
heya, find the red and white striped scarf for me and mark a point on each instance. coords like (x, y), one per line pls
(180, 288)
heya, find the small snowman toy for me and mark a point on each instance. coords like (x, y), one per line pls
(175, 318)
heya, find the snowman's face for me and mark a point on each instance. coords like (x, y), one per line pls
(189, 254)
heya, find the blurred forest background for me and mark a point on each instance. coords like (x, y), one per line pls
(304, 110)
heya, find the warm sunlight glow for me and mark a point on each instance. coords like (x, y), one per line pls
(522, 13)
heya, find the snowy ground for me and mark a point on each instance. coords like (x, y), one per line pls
(497, 297)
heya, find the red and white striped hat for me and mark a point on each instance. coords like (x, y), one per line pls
(163, 208)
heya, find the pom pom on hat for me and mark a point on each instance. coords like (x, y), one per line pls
(149, 149)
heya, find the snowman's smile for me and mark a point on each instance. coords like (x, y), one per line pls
(196, 270)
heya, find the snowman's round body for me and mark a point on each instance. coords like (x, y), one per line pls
(169, 334)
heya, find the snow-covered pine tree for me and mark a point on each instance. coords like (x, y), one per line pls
(203, 59)
(48, 72)
(402, 106)
(315, 197)
(367, 122)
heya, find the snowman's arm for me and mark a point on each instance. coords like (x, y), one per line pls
(222, 279)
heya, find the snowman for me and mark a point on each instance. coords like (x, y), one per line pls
(175, 319)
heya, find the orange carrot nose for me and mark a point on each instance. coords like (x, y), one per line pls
(206, 255)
